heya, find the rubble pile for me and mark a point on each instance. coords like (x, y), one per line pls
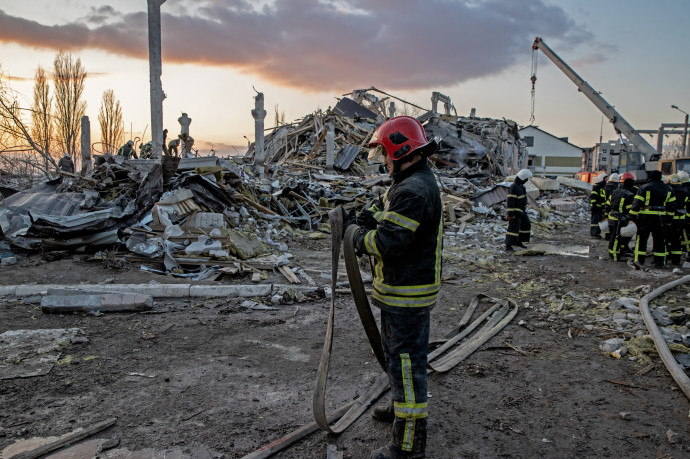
(186, 215)
(469, 146)
(303, 143)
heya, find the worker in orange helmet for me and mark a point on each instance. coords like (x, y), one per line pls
(404, 235)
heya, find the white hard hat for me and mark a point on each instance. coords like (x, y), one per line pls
(614, 177)
(600, 178)
(524, 174)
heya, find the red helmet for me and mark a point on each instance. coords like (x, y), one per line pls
(626, 175)
(400, 136)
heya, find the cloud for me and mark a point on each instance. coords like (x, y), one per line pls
(321, 45)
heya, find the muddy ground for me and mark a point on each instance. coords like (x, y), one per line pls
(208, 378)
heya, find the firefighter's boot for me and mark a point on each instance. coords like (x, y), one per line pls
(383, 413)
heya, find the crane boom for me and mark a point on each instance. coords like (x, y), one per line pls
(619, 123)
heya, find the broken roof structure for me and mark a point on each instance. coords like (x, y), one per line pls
(469, 145)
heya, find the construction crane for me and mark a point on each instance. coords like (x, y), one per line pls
(644, 158)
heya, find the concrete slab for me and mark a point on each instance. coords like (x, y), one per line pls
(28, 353)
(58, 301)
(563, 205)
(575, 183)
(545, 184)
(532, 190)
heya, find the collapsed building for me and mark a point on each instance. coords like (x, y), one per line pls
(184, 214)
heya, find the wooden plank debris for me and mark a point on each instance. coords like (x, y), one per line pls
(28, 450)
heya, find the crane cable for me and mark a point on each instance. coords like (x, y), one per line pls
(533, 79)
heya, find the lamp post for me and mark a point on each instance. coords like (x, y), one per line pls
(685, 130)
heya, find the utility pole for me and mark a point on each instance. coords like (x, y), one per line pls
(156, 88)
(685, 131)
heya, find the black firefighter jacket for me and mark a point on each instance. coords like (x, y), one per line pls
(654, 203)
(517, 199)
(407, 243)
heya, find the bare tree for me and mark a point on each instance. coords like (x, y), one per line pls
(69, 77)
(41, 114)
(20, 155)
(110, 121)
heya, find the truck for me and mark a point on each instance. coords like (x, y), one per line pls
(643, 157)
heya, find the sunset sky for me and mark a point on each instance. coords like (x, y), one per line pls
(303, 54)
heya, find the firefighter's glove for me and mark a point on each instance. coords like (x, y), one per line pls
(350, 219)
(366, 219)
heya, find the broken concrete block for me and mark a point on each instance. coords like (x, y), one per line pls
(203, 245)
(7, 261)
(575, 183)
(532, 190)
(611, 345)
(624, 303)
(206, 220)
(545, 184)
(562, 205)
(244, 245)
(64, 301)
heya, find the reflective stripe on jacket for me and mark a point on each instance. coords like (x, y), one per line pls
(620, 203)
(653, 199)
(517, 198)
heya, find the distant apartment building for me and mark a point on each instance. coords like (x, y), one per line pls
(604, 156)
(550, 155)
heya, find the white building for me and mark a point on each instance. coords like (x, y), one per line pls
(550, 155)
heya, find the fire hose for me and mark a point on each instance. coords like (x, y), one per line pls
(662, 348)
(496, 318)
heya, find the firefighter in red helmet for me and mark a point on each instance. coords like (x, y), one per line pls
(404, 235)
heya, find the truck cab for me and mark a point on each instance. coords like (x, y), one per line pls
(670, 166)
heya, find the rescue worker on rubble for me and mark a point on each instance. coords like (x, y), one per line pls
(66, 164)
(676, 231)
(519, 226)
(609, 188)
(619, 205)
(652, 210)
(127, 150)
(404, 234)
(597, 201)
(146, 150)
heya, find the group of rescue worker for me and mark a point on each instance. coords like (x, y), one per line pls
(656, 208)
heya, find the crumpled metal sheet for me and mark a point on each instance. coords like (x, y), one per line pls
(44, 200)
(351, 109)
(346, 156)
(492, 196)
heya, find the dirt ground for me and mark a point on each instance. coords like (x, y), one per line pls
(205, 377)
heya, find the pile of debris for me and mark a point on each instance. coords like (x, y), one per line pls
(186, 215)
(469, 146)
